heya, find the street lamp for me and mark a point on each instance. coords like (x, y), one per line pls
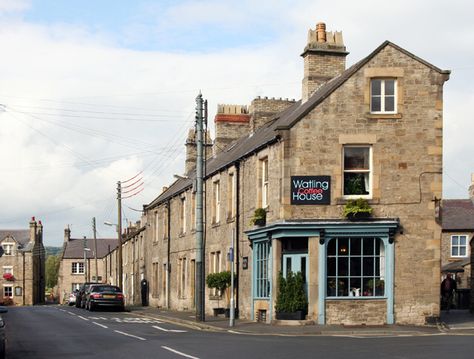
(119, 251)
(85, 263)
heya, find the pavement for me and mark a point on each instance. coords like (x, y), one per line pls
(459, 322)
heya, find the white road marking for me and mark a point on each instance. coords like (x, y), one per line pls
(83, 318)
(100, 325)
(179, 353)
(129, 335)
(168, 330)
(72, 313)
(63, 310)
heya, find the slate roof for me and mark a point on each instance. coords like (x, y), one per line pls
(75, 247)
(457, 215)
(268, 133)
(22, 236)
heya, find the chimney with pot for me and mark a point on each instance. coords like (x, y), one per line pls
(67, 234)
(324, 58)
(471, 188)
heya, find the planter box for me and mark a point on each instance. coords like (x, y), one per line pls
(218, 311)
(359, 216)
(227, 313)
(298, 315)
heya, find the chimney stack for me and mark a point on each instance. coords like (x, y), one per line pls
(232, 122)
(67, 234)
(324, 58)
(471, 188)
(33, 230)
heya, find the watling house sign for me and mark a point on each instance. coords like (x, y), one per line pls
(310, 190)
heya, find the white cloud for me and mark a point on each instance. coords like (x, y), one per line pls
(9, 6)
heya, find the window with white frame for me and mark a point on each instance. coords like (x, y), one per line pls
(165, 223)
(357, 171)
(77, 268)
(383, 96)
(355, 267)
(183, 214)
(261, 251)
(157, 227)
(154, 281)
(459, 246)
(231, 196)
(182, 267)
(8, 249)
(264, 182)
(75, 286)
(215, 267)
(193, 210)
(8, 291)
(7, 269)
(216, 201)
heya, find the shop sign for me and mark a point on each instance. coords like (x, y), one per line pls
(313, 190)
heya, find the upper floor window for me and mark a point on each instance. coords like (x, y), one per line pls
(383, 96)
(7, 249)
(216, 203)
(7, 270)
(157, 227)
(458, 246)
(264, 182)
(193, 210)
(231, 196)
(77, 268)
(357, 171)
(183, 214)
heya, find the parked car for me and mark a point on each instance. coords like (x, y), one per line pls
(2, 333)
(104, 295)
(81, 295)
(71, 300)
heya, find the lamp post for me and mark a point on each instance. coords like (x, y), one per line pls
(119, 251)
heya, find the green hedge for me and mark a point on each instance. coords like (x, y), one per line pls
(291, 295)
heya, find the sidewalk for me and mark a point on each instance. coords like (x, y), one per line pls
(243, 326)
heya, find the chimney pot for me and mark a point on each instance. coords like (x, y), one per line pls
(321, 32)
(33, 219)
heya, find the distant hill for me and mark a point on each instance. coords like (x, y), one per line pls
(52, 251)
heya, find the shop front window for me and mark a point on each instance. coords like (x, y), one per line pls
(261, 252)
(355, 267)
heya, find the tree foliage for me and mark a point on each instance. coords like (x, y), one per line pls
(52, 270)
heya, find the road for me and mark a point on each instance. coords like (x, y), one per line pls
(68, 332)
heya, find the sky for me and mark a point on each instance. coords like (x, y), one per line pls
(93, 92)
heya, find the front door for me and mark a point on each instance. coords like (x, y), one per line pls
(296, 263)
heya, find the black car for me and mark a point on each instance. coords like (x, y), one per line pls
(104, 295)
(2, 333)
(81, 294)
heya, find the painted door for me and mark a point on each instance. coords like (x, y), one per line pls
(296, 263)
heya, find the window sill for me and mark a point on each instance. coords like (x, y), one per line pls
(358, 298)
(384, 116)
(344, 200)
(230, 219)
(215, 224)
(215, 297)
(182, 234)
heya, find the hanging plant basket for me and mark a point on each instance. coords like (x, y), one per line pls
(9, 277)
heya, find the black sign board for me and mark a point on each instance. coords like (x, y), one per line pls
(310, 190)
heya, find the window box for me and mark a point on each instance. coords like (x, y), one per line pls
(9, 277)
(259, 217)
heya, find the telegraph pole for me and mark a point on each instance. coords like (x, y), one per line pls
(119, 231)
(95, 250)
(199, 289)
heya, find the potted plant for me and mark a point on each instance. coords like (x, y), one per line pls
(377, 286)
(221, 282)
(357, 209)
(291, 303)
(259, 217)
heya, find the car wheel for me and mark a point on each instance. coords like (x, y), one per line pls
(91, 307)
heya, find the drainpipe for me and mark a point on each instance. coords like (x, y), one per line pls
(168, 266)
(24, 281)
(237, 230)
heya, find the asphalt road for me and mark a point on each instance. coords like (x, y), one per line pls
(67, 332)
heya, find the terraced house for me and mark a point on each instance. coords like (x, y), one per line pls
(22, 262)
(372, 131)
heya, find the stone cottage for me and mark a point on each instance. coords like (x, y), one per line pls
(22, 262)
(373, 132)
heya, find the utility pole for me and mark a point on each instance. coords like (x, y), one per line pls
(199, 289)
(119, 231)
(94, 229)
(232, 299)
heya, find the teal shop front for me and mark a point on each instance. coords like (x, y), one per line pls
(348, 268)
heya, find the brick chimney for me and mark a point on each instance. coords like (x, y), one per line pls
(67, 234)
(324, 58)
(264, 109)
(39, 232)
(33, 230)
(232, 122)
(191, 150)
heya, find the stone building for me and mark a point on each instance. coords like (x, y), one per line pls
(371, 131)
(77, 264)
(23, 264)
(457, 217)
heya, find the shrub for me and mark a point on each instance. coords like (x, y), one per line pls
(219, 281)
(354, 207)
(291, 295)
(259, 216)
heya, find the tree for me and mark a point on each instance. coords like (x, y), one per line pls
(52, 271)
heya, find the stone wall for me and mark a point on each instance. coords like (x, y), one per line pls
(356, 312)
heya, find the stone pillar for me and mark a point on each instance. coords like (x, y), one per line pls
(313, 280)
(276, 268)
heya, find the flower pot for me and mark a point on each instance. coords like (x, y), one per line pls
(358, 216)
(260, 222)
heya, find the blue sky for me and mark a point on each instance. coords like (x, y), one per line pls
(149, 25)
